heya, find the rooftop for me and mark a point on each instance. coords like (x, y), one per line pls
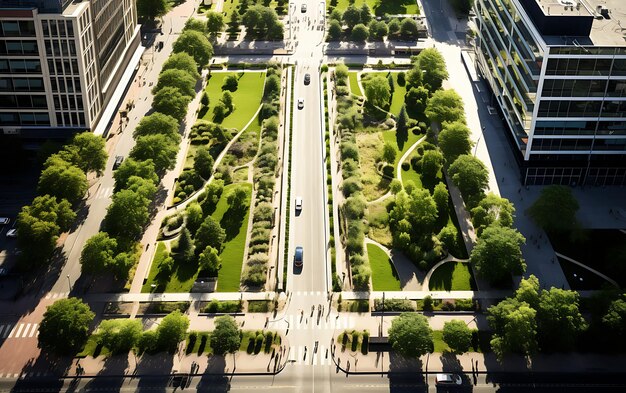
(609, 19)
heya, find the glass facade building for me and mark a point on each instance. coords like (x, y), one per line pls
(557, 69)
(60, 62)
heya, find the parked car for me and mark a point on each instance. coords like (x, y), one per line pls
(4, 220)
(298, 203)
(118, 162)
(307, 79)
(300, 103)
(12, 233)
(448, 379)
(297, 259)
(303, 8)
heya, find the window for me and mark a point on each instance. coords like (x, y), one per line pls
(44, 28)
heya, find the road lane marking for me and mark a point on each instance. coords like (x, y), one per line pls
(19, 330)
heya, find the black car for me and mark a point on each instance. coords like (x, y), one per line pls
(118, 162)
(307, 79)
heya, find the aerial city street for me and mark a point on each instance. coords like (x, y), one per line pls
(312, 196)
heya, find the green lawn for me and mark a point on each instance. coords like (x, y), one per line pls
(246, 98)
(353, 78)
(93, 348)
(397, 100)
(452, 276)
(384, 277)
(411, 175)
(181, 279)
(236, 226)
(402, 144)
(381, 7)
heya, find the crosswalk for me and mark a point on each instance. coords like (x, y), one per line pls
(297, 322)
(57, 295)
(104, 192)
(299, 355)
(18, 330)
(309, 293)
(28, 374)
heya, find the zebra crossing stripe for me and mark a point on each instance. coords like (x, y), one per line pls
(6, 332)
(1, 329)
(35, 330)
(12, 331)
(19, 330)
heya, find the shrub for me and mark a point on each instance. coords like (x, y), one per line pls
(401, 78)
(357, 260)
(394, 305)
(349, 150)
(257, 259)
(351, 185)
(354, 207)
(224, 306)
(428, 303)
(263, 212)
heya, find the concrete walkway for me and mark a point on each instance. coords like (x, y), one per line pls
(408, 274)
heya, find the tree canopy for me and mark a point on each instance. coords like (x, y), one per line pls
(127, 215)
(457, 335)
(172, 330)
(210, 233)
(64, 329)
(555, 209)
(131, 167)
(171, 102)
(120, 335)
(214, 22)
(151, 9)
(158, 148)
(410, 335)
(377, 91)
(497, 254)
(470, 175)
(433, 65)
(182, 61)
(177, 79)
(64, 182)
(226, 337)
(492, 210)
(445, 105)
(196, 44)
(157, 123)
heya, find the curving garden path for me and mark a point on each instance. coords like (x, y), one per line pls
(408, 274)
(449, 258)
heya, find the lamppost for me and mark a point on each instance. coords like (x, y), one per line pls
(478, 141)
(69, 284)
(382, 316)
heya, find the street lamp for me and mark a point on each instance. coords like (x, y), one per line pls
(478, 141)
(69, 284)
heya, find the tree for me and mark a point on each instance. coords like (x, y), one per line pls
(151, 9)
(157, 123)
(433, 65)
(492, 210)
(196, 44)
(341, 72)
(351, 16)
(457, 335)
(445, 105)
(528, 291)
(172, 330)
(237, 199)
(36, 239)
(615, 317)
(196, 25)
(432, 162)
(158, 148)
(185, 249)
(210, 233)
(414, 77)
(470, 175)
(454, 141)
(122, 263)
(89, 150)
(194, 216)
(410, 335)
(334, 30)
(210, 261)
(559, 320)
(231, 83)
(441, 197)
(555, 209)
(182, 61)
(272, 87)
(64, 182)
(214, 22)
(515, 328)
(131, 167)
(226, 337)
(392, 84)
(359, 33)
(171, 102)
(394, 27)
(402, 124)
(389, 152)
(378, 29)
(462, 6)
(408, 29)
(416, 99)
(227, 100)
(98, 253)
(497, 254)
(49, 208)
(336, 14)
(64, 328)
(262, 22)
(422, 212)
(120, 335)
(127, 215)
(203, 162)
(366, 14)
(377, 91)
(144, 187)
(219, 112)
(178, 79)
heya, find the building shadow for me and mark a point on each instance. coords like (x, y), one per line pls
(43, 374)
(153, 372)
(112, 374)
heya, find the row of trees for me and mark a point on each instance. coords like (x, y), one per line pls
(66, 326)
(266, 165)
(352, 211)
(358, 24)
(62, 186)
(157, 142)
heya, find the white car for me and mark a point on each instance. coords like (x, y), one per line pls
(4, 220)
(448, 379)
(300, 103)
(12, 232)
(298, 203)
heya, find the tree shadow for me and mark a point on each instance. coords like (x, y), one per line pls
(43, 374)
(402, 136)
(159, 367)
(114, 369)
(232, 220)
(396, 7)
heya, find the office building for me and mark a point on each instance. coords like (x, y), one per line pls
(61, 62)
(557, 70)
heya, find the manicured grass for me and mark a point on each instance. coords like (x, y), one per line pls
(397, 99)
(160, 254)
(381, 7)
(255, 341)
(402, 144)
(246, 98)
(353, 77)
(181, 279)
(201, 345)
(236, 226)
(411, 175)
(438, 343)
(384, 277)
(452, 276)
